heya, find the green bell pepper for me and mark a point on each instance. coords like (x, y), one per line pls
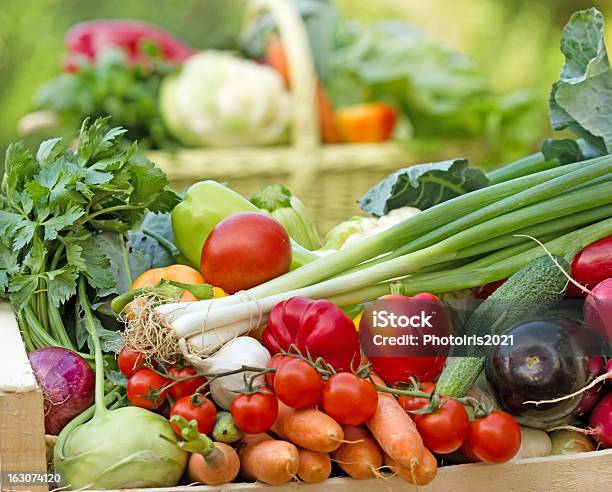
(205, 205)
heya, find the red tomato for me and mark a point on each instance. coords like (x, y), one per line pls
(495, 439)
(276, 362)
(444, 430)
(591, 266)
(410, 403)
(255, 413)
(142, 389)
(129, 361)
(297, 384)
(196, 407)
(349, 399)
(245, 250)
(187, 387)
(467, 451)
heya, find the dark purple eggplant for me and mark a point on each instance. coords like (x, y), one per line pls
(548, 358)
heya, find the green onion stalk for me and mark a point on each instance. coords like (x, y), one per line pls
(549, 204)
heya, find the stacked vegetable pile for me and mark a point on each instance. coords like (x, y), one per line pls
(220, 332)
(377, 82)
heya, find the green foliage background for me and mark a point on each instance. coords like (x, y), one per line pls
(515, 41)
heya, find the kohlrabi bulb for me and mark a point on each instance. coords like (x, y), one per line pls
(125, 448)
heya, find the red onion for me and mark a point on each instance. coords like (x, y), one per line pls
(67, 382)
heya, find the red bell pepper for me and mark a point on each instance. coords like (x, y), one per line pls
(319, 328)
(87, 39)
(394, 369)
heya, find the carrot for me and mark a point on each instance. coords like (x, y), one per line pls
(220, 466)
(421, 474)
(275, 56)
(308, 428)
(267, 460)
(314, 467)
(394, 430)
(360, 457)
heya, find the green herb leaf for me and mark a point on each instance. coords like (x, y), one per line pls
(22, 288)
(581, 100)
(61, 286)
(8, 265)
(59, 222)
(423, 186)
(35, 258)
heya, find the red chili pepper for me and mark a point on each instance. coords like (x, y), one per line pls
(87, 39)
(319, 328)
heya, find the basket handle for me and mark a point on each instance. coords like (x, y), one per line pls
(293, 35)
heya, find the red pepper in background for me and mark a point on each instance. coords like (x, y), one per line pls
(319, 328)
(590, 267)
(87, 39)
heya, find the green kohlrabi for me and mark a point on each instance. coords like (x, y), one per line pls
(112, 449)
(220, 100)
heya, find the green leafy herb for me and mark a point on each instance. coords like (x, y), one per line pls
(581, 100)
(423, 186)
(64, 215)
(110, 86)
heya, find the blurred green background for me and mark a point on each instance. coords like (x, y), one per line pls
(516, 42)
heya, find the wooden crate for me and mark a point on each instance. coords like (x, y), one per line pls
(22, 448)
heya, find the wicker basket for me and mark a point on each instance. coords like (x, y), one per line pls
(328, 178)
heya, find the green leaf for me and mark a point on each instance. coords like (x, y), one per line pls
(22, 288)
(58, 223)
(155, 255)
(48, 150)
(272, 197)
(423, 186)
(581, 100)
(564, 151)
(146, 179)
(114, 247)
(35, 258)
(8, 265)
(61, 285)
(97, 139)
(98, 272)
(111, 341)
(19, 167)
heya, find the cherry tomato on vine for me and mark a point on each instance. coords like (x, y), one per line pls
(196, 407)
(467, 451)
(143, 389)
(495, 438)
(297, 384)
(444, 430)
(187, 387)
(349, 399)
(255, 413)
(410, 403)
(129, 361)
(276, 362)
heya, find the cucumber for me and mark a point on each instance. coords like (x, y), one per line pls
(540, 283)
(225, 430)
